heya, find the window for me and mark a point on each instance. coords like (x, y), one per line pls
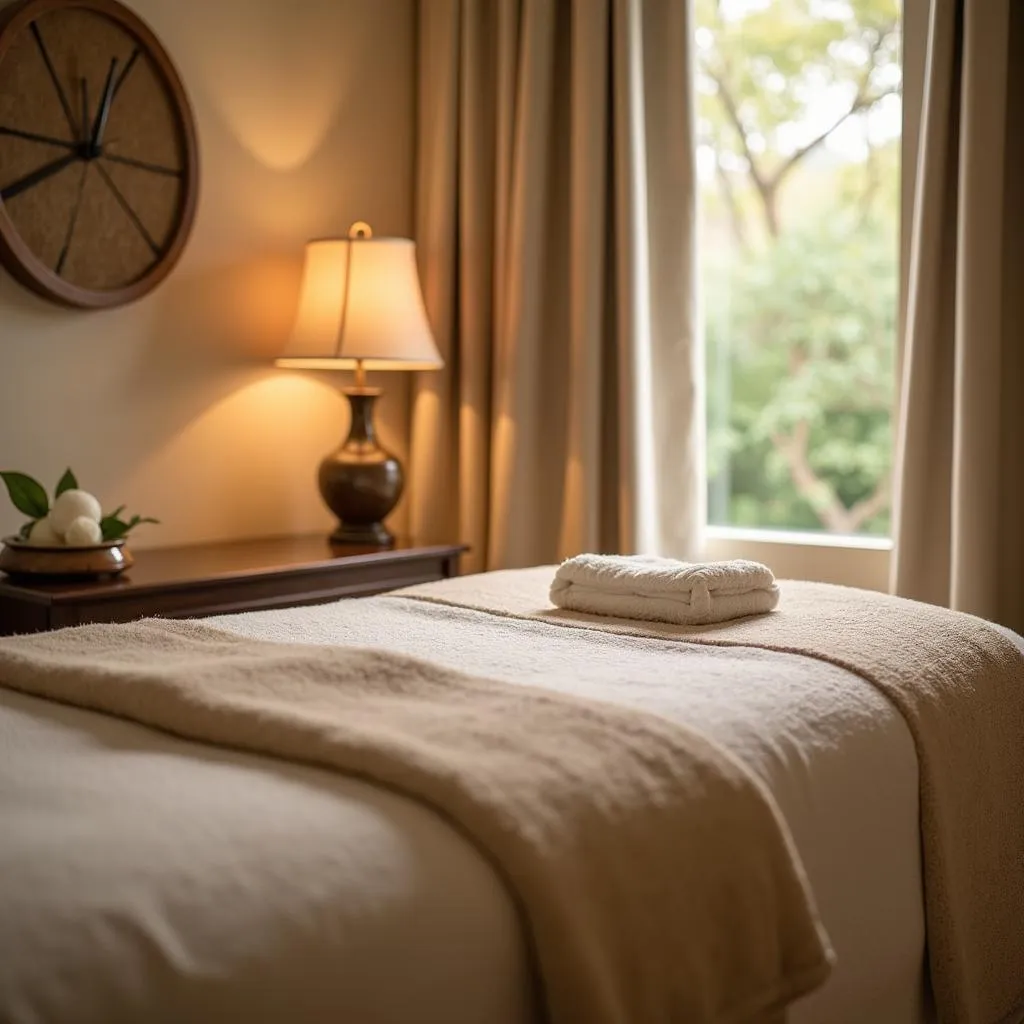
(799, 166)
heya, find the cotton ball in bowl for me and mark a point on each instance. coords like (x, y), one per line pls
(72, 505)
(43, 535)
(83, 533)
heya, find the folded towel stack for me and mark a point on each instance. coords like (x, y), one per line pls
(663, 589)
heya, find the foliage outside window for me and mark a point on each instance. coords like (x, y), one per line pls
(799, 141)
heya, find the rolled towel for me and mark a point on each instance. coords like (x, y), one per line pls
(663, 589)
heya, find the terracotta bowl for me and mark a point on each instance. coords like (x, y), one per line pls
(20, 559)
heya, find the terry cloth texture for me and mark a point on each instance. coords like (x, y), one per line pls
(958, 681)
(655, 875)
(663, 589)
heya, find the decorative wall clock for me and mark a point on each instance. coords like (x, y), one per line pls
(99, 167)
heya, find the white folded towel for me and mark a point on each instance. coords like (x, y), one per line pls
(663, 589)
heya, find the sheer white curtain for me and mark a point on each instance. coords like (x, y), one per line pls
(555, 221)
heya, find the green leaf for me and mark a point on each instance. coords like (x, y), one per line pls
(26, 530)
(114, 527)
(139, 520)
(27, 495)
(67, 483)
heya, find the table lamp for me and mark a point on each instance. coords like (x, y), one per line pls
(361, 308)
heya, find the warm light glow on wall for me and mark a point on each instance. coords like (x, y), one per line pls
(266, 425)
(279, 130)
(281, 92)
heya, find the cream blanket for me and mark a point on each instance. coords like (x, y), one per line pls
(663, 589)
(959, 684)
(654, 873)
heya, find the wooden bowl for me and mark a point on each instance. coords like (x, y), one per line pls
(20, 559)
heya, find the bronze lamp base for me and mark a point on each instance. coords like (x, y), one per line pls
(361, 482)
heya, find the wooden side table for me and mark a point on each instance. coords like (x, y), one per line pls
(216, 579)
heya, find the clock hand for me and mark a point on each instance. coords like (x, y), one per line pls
(127, 70)
(142, 165)
(45, 54)
(127, 207)
(37, 176)
(104, 111)
(85, 107)
(48, 140)
(59, 269)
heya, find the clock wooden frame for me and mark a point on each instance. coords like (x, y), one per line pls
(15, 255)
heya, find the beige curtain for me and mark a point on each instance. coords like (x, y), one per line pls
(555, 222)
(960, 457)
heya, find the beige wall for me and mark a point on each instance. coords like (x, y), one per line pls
(305, 118)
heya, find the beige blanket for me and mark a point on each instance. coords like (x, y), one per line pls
(959, 684)
(656, 878)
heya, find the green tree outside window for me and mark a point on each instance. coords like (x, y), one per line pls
(799, 138)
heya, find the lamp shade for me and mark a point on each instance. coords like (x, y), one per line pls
(361, 302)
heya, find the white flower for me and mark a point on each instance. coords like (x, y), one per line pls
(83, 533)
(70, 506)
(43, 534)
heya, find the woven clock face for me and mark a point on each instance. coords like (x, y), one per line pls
(98, 156)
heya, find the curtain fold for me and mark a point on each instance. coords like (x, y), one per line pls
(959, 517)
(555, 222)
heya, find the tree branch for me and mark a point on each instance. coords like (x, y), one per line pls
(860, 103)
(733, 112)
(739, 230)
(764, 187)
(870, 506)
(834, 515)
(825, 502)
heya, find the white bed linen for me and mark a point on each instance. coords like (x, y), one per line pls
(278, 892)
